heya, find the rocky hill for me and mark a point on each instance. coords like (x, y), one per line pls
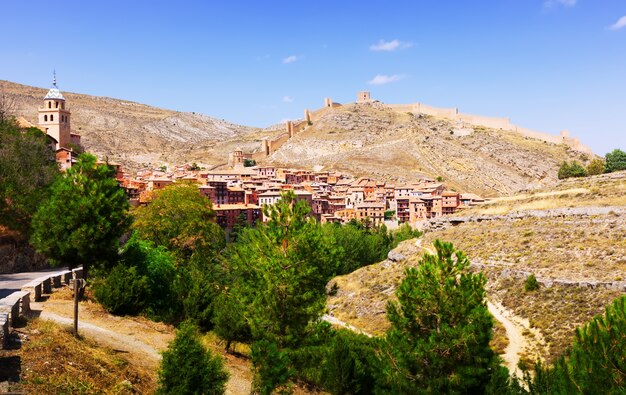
(571, 237)
(363, 139)
(371, 139)
(135, 134)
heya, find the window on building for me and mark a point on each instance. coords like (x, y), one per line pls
(49, 104)
(56, 104)
(45, 118)
(51, 117)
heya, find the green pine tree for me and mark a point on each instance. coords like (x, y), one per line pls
(615, 161)
(82, 221)
(188, 368)
(440, 328)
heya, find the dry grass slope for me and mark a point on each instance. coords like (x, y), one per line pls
(55, 362)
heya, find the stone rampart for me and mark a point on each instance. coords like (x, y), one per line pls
(490, 122)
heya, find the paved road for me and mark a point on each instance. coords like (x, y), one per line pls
(10, 283)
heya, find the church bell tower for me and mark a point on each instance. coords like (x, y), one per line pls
(54, 117)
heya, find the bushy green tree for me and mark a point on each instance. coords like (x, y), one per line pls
(440, 328)
(280, 270)
(573, 169)
(143, 281)
(188, 368)
(182, 220)
(82, 221)
(615, 161)
(595, 167)
(27, 169)
(273, 368)
(595, 363)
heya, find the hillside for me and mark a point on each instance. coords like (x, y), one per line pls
(577, 252)
(135, 134)
(363, 139)
(371, 139)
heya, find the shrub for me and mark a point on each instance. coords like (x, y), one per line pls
(531, 283)
(573, 169)
(595, 167)
(158, 266)
(124, 291)
(405, 232)
(188, 368)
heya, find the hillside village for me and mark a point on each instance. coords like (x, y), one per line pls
(333, 197)
(241, 192)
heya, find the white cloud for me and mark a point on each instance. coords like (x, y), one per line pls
(620, 24)
(287, 99)
(382, 79)
(290, 59)
(564, 3)
(389, 46)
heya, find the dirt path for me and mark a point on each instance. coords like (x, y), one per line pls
(517, 342)
(139, 339)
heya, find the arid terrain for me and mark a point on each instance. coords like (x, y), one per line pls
(364, 139)
(138, 135)
(573, 242)
(370, 139)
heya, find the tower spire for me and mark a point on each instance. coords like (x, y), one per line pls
(54, 78)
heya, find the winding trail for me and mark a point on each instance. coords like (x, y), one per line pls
(517, 341)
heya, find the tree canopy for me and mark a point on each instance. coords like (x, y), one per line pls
(84, 218)
(27, 169)
(440, 327)
(180, 219)
(615, 161)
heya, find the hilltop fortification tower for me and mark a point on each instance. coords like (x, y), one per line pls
(54, 117)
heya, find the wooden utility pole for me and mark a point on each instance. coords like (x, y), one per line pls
(78, 285)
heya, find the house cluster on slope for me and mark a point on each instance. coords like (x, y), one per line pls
(241, 193)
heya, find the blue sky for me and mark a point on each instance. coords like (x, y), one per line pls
(547, 65)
